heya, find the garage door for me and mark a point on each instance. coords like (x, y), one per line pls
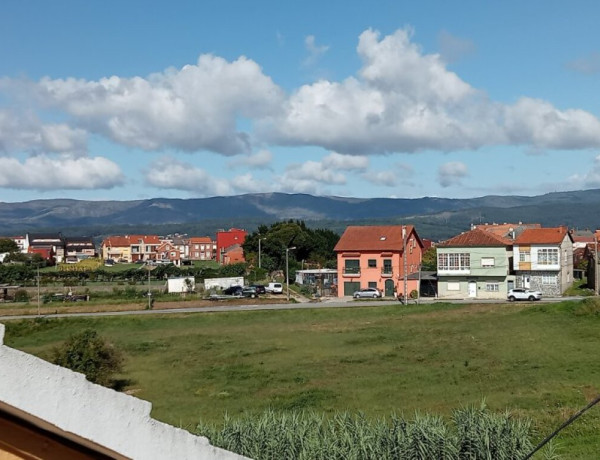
(350, 287)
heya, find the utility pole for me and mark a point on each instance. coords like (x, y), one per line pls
(404, 263)
(419, 286)
(287, 270)
(149, 293)
(259, 240)
(596, 290)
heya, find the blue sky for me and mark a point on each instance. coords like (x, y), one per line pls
(132, 100)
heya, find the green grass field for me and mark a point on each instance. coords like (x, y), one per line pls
(538, 360)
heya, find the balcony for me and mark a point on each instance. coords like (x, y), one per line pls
(387, 272)
(351, 272)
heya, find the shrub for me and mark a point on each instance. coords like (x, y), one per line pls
(21, 295)
(90, 354)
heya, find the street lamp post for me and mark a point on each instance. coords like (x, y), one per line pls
(259, 240)
(287, 270)
(38, 289)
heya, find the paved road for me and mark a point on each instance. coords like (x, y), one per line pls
(343, 303)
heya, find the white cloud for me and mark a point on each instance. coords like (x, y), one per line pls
(26, 133)
(536, 122)
(387, 178)
(590, 179)
(404, 100)
(453, 48)
(314, 51)
(246, 183)
(588, 65)
(401, 100)
(193, 108)
(314, 171)
(345, 162)
(258, 160)
(169, 173)
(42, 172)
(452, 173)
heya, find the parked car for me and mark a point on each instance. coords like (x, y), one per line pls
(274, 288)
(523, 294)
(260, 289)
(235, 290)
(371, 293)
(249, 291)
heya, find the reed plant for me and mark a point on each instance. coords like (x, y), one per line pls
(471, 433)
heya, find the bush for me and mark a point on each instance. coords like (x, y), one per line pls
(21, 295)
(90, 354)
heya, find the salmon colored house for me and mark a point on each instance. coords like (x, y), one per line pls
(378, 256)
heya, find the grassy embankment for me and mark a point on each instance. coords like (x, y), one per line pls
(538, 360)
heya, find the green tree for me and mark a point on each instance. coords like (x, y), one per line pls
(90, 354)
(8, 245)
(429, 260)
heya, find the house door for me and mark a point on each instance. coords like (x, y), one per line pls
(510, 285)
(389, 288)
(472, 289)
(526, 282)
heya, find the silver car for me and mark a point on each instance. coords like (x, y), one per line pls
(371, 293)
(523, 294)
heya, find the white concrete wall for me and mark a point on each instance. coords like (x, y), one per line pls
(114, 420)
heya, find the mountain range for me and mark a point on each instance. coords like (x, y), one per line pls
(435, 217)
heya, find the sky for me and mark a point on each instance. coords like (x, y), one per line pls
(128, 100)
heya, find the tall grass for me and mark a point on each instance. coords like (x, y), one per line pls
(471, 433)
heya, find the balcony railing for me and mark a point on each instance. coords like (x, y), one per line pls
(387, 272)
(351, 271)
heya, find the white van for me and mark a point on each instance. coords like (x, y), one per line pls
(274, 288)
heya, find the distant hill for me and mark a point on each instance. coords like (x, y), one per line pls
(436, 218)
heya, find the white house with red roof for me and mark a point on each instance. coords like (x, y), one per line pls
(378, 256)
(543, 260)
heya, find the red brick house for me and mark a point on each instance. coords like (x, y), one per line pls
(168, 252)
(201, 248)
(378, 256)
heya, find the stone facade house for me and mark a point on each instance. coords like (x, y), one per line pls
(543, 260)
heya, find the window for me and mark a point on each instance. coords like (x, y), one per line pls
(387, 266)
(550, 279)
(352, 266)
(524, 256)
(372, 264)
(455, 262)
(487, 262)
(454, 286)
(492, 287)
(373, 284)
(548, 256)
